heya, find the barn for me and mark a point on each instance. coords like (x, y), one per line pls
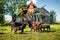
(32, 13)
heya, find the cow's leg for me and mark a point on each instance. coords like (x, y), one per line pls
(43, 29)
(11, 29)
(34, 29)
(22, 30)
(31, 29)
(15, 30)
(40, 28)
(37, 29)
(49, 28)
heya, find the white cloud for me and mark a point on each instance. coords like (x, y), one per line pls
(28, 2)
(34, 1)
(8, 18)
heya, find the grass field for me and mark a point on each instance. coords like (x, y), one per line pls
(6, 34)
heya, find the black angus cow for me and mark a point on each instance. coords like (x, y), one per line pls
(18, 26)
(44, 26)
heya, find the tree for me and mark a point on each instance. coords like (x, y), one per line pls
(1, 13)
(53, 16)
(10, 7)
(14, 6)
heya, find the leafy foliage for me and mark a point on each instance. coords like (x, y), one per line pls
(10, 7)
(53, 16)
(1, 13)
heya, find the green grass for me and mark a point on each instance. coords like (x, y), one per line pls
(6, 34)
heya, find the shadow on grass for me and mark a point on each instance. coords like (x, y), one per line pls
(23, 33)
(49, 31)
(3, 29)
(2, 33)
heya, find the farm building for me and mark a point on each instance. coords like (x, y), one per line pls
(33, 13)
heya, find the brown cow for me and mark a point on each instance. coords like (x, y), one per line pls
(34, 26)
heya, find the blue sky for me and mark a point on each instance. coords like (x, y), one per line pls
(50, 5)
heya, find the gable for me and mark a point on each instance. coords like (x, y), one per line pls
(43, 11)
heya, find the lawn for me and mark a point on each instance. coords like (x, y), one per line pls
(6, 34)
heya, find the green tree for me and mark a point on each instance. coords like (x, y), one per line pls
(10, 7)
(1, 13)
(2, 3)
(14, 6)
(53, 16)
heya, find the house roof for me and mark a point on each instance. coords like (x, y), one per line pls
(31, 3)
(42, 11)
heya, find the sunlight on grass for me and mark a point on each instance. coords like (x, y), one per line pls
(6, 34)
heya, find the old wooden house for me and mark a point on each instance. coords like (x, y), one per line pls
(36, 14)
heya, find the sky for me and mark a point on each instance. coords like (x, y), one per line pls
(50, 5)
